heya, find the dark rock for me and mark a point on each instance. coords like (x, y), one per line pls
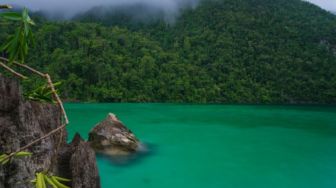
(10, 94)
(21, 122)
(82, 175)
(111, 137)
(75, 157)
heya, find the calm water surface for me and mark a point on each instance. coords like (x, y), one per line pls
(220, 146)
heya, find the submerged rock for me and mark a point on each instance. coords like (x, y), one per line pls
(111, 137)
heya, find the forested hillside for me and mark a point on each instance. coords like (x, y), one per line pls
(223, 51)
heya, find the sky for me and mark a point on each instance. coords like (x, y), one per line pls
(325, 4)
(72, 7)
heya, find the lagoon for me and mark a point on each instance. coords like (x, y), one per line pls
(219, 146)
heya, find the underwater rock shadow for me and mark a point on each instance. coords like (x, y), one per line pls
(131, 159)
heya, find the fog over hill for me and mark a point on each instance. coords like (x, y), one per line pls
(67, 9)
(169, 8)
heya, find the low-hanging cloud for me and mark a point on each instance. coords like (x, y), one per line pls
(69, 8)
(169, 8)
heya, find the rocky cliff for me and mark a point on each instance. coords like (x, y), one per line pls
(22, 122)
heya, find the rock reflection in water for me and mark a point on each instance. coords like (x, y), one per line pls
(144, 150)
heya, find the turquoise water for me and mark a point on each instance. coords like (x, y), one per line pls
(220, 146)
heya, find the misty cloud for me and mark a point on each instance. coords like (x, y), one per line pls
(69, 8)
(169, 9)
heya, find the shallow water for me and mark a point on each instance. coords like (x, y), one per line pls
(219, 146)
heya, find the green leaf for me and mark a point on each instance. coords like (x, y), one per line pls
(17, 45)
(57, 183)
(2, 156)
(23, 154)
(25, 14)
(43, 180)
(48, 180)
(57, 84)
(5, 46)
(14, 16)
(42, 93)
(40, 183)
(4, 159)
(62, 179)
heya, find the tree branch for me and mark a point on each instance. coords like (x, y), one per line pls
(13, 71)
(36, 141)
(24, 66)
(58, 100)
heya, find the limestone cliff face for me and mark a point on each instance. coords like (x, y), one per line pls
(22, 122)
